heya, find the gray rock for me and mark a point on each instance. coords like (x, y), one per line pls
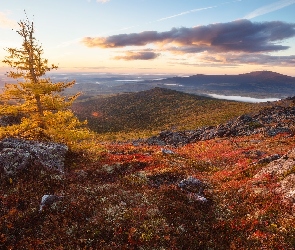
(18, 154)
(48, 200)
(269, 159)
(192, 184)
(167, 151)
(196, 197)
(8, 120)
(13, 160)
(194, 189)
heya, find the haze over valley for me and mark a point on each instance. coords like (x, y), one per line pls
(256, 86)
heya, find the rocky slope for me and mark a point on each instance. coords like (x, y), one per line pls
(229, 186)
(269, 121)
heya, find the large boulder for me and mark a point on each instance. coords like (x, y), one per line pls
(18, 154)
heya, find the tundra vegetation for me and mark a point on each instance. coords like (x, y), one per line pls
(130, 194)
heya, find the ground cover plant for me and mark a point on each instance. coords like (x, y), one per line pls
(127, 197)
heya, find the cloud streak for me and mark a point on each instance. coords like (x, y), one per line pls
(186, 12)
(239, 36)
(102, 1)
(6, 23)
(269, 8)
(195, 10)
(246, 58)
(140, 55)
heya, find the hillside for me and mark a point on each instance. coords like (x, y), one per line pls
(229, 190)
(157, 109)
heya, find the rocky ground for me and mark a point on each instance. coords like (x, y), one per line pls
(269, 121)
(231, 186)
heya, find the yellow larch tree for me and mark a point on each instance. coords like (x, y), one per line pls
(44, 111)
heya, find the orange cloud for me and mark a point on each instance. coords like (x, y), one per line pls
(5, 22)
(141, 55)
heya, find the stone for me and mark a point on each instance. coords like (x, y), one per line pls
(13, 160)
(269, 159)
(192, 184)
(283, 170)
(167, 151)
(48, 200)
(19, 154)
(280, 167)
(8, 120)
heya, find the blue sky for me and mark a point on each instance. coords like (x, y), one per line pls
(158, 36)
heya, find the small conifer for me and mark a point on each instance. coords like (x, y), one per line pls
(43, 111)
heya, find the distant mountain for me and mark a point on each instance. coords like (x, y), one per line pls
(157, 109)
(254, 84)
(260, 84)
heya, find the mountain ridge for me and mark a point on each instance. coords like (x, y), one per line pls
(253, 84)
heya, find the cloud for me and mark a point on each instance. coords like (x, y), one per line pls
(240, 36)
(195, 10)
(102, 1)
(186, 12)
(246, 58)
(5, 22)
(269, 8)
(141, 55)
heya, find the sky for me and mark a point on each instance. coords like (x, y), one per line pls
(157, 36)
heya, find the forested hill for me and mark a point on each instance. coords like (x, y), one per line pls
(157, 109)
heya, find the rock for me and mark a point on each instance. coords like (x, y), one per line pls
(253, 154)
(167, 151)
(12, 160)
(192, 184)
(278, 130)
(18, 154)
(196, 197)
(8, 120)
(48, 200)
(281, 170)
(194, 189)
(269, 159)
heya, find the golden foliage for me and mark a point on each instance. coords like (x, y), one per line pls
(44, 111)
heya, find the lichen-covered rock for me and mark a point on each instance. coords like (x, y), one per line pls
(167, 151)
(194, 189)
(18, 154)
(48, 200)
(279, 168)
(192, 184)
(12, 160)
(282, 169)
